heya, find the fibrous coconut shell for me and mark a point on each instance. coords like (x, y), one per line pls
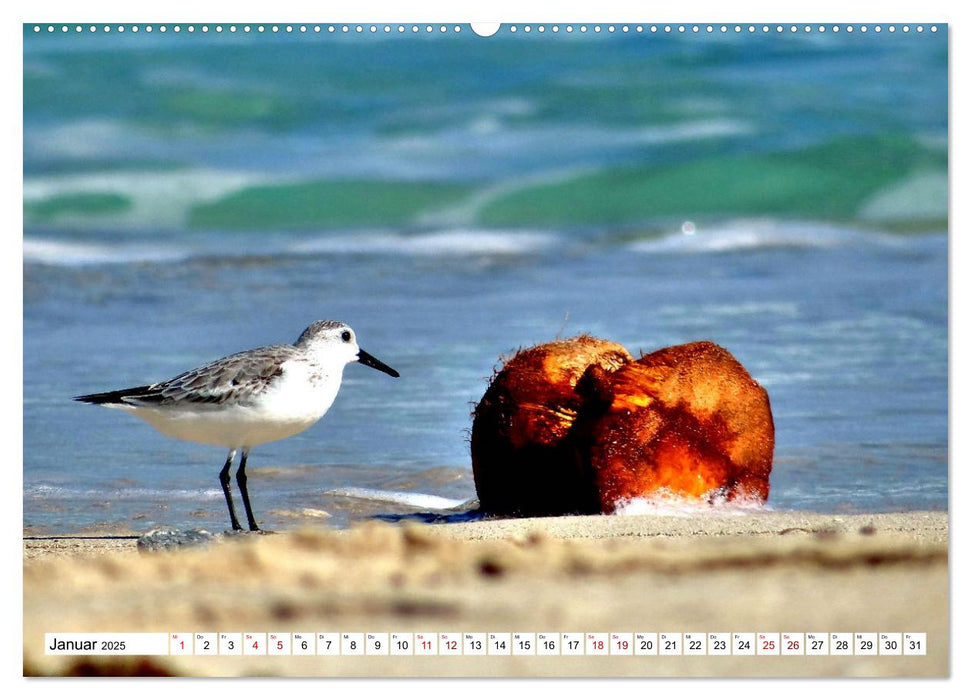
(523, 459)
(687, 420)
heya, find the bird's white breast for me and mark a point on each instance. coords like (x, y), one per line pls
(304, 391)
(291, 403)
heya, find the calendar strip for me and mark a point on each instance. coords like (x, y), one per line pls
(488, 643)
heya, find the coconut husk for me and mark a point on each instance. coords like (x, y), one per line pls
(523, 459)
(687, 420)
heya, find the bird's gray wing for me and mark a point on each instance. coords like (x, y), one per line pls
(234, 379)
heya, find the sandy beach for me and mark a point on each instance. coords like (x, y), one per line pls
(758, 572)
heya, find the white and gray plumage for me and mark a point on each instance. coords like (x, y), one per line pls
(248, 398)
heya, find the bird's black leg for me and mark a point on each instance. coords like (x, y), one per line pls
(241, 480)
(224, 482)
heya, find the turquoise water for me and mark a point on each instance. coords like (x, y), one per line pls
(454, 198)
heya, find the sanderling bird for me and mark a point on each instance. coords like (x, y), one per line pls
(248, 398)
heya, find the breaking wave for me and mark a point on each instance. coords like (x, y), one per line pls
(443, 243)
(71, 253)
(757, 235)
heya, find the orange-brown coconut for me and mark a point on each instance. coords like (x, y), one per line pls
(522, 457)
(687, 420)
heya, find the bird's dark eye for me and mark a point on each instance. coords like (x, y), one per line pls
(346, 336)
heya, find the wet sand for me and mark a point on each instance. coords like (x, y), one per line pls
(759, 572)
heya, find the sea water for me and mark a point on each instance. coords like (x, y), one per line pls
(453, 199)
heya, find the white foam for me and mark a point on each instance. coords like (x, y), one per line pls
(666, 503)
(456, 242)
(158, 200)
(70, 253)
(47, 492)
(401, 498)
(758, 234)
(691, 131)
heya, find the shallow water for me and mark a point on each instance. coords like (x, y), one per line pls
(454, 201)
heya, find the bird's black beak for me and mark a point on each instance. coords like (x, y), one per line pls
(371, 361)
